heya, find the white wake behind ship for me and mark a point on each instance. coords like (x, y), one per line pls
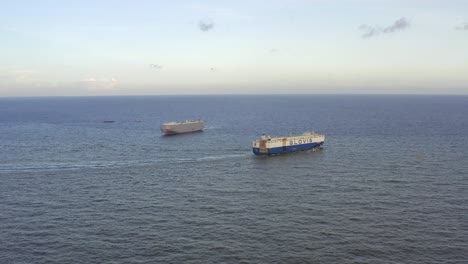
(188, 126)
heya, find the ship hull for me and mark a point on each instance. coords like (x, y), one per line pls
(287, 149)
(171, 132)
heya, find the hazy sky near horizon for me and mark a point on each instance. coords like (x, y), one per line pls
(108, 47)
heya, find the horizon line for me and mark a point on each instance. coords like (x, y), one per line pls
(240, 94)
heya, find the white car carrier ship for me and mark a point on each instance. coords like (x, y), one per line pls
(188, 126)
(267, 145)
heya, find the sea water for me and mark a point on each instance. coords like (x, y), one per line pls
(389, 186)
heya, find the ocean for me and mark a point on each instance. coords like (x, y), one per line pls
(389, 186)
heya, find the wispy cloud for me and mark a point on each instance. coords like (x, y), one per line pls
(155, 66)
(23, 76)
(205, 25)
(98, 84)
(33, 78)
(400, 24)
(369, 31)
(372, 31)
(462, 26)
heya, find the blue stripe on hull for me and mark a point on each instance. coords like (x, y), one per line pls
(279, 150)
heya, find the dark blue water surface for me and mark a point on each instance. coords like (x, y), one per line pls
(390, 185)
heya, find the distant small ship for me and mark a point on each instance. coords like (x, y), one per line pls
(277, 145)
(188, 126)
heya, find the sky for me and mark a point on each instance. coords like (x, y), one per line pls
(104, 47)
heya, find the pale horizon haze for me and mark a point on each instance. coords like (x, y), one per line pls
(87, 48)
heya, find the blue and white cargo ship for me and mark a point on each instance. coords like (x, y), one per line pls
(267, 145)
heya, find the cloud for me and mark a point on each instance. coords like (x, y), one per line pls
(23, 77)
(462, 27)
(32, 83)
(98, 84)
(205, 25)
(370, 31)
(155, 66)
(400, 24)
